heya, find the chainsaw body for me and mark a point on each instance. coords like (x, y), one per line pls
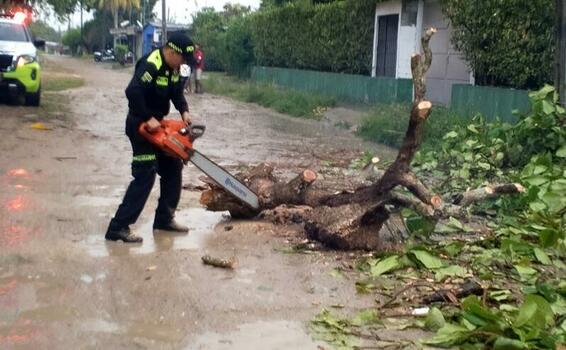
(174, 137)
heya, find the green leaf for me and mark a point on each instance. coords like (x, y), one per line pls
(454, 248)
(434, 320)
(536, 180)
(452, 270)
(336, 272)
(476, 313)
(540, 169)
(366, 317)
(428, 260)
(548, 238)
(388, 264)
(471, 143)
(547, 291)
(503, 343)
(417, 224)
(559, 307)
(500, 295)
(542, 93)
(547, 107)
(449, 335)
(364, 287)
(536, 312)
(561, 152)
(526, 312)
(542, 257)
(525, 272)
(473, 129)
(451, 135)
(537, 206)
(554, 201)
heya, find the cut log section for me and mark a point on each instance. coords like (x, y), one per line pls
(270, 191)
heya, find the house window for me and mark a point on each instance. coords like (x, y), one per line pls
(387, 45)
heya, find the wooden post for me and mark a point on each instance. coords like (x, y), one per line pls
(163, 23)
(560, 77)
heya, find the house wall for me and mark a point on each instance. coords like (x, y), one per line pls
(147, 38)
(407, 38)
(448, 67)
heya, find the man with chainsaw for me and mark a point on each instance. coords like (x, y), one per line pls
(155, 83)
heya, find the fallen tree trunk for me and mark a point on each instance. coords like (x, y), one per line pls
(271, 192)
(359, 219)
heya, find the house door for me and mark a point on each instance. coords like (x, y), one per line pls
(387, 45)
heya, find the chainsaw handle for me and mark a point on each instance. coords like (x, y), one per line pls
(196, 131)
(144, 131)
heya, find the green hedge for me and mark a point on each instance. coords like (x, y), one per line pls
(507, 43)
(209, 27)
(336, 37)
(236, 53)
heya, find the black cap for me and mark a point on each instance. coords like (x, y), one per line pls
(182, 44)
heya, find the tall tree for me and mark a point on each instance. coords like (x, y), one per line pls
(114, 6)
(42, 30)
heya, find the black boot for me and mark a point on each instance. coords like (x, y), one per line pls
(172, 226)
(124, 235)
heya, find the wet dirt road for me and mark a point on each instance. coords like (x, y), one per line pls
(62, 286)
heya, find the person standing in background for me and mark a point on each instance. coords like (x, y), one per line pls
(199, 68)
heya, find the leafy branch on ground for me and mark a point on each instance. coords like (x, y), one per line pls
(513, 247)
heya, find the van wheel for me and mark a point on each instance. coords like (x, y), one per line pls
(34, 98)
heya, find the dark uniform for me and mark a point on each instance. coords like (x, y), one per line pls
(153, 85)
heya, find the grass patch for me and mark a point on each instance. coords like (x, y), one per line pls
(292, 102)
(56, 78)
(54, 105)
(387, 124)
(59, 81)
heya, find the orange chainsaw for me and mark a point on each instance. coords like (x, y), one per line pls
(175, 138)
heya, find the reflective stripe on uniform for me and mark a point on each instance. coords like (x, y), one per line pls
(175, 47)
(162, 81)
(144, 158)
(146, 77)
(175, 78)
(155, 59)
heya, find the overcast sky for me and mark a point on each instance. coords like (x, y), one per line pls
(179, 10)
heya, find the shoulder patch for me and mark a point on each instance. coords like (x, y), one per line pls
(146, 77)
(155, 59)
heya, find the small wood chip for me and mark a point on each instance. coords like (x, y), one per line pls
(219, 262)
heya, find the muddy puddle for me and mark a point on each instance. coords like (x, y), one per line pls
(273, 335)
(201, 224)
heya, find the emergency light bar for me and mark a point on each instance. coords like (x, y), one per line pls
(20, 15)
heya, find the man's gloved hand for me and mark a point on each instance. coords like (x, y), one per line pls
(186, 118)
(152, 125)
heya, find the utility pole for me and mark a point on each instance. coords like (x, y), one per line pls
(163, 22)
(560, 77)
(82, 40)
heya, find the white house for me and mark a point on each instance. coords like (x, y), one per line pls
(398, 28)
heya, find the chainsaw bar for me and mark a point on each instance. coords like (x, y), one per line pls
(224, 179)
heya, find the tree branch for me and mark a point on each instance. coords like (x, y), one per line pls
(483, 193)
